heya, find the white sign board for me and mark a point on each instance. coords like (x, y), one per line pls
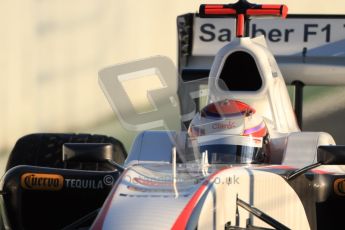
(320, 36)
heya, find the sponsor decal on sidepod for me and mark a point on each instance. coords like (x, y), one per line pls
(40, 181)
(55, 182)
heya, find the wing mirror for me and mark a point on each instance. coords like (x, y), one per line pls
(331, 154)
(326, 155)
(90, 152)
(87, 152)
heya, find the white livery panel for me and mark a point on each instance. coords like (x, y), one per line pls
(145, 199)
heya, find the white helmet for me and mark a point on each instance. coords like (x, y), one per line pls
(231, 132)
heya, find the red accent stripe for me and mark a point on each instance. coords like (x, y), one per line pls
(267, 6)
(220, 11)
(240, 25)
(263, 12)
(260, 133)
(284, 11)
(182, 220)
(259, 129)
(214, 6)
(320, 171)
(151, 183)
(287, 167)
(227, 107)
(98, 223)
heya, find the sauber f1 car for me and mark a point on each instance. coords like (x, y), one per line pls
(241, 162)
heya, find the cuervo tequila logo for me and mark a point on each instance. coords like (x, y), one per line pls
(40, 181)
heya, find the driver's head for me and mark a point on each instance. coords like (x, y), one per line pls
(231, 132)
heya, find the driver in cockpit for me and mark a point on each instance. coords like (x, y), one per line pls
(231, 133)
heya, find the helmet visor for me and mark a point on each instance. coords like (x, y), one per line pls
(228, 149)
(232, 154)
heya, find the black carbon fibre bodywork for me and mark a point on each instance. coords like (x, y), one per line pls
(34, 204)
(322, 205)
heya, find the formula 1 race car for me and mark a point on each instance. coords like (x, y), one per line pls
(240, 160)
